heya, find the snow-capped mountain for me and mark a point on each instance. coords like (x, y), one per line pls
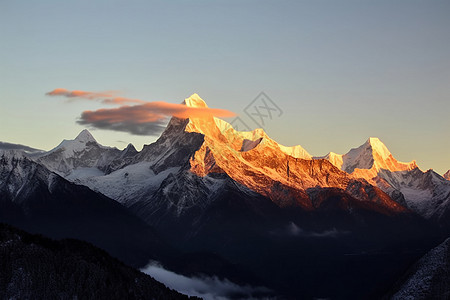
(207, 146)
(368, 159)
(426, 193)
(19, 176)
(133, 177)
(82, 152)
(286, 175)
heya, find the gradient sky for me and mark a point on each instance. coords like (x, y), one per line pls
(341, 71)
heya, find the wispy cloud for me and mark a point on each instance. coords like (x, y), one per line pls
(208, 288)
(142, 118)
(108, 97)
(145, 119)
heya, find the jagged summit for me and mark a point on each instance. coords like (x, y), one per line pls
(130, 147)
(426, 193)
(334, 158)
(379, 147)
(368, 159)
(69, 147)
(250, 158)
(85, 136)
(195, 101)
(129, 151)
(220, 130)
(82, 152)
(223, 132)
(373, 155)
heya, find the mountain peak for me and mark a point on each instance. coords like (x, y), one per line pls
(379, 147)
(130, 149)
(85, 136)
(447, 175)
(334, 158)
(195, 101)
(366, 160)
(130, 146)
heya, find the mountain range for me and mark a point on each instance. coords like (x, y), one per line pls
(288, 176)
(340, 226)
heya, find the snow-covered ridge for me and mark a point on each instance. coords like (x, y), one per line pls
(82, 152)
(71, 147)
(219, 129)
(334, 158)
(19, 173)
(257, 136)
(367, 160)
(256, 161)
(26, 149)
(195, 101)
(426, 193)
(125, 185)
(373, 154)
(230, 151)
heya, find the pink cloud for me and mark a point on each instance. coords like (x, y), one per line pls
(135, 119)
(143, 118)
(108, 97)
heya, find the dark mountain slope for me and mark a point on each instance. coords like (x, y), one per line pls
(428, 278)
(37, 200)
(35, 267)
(344, 249)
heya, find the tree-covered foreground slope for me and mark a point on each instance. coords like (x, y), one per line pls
(35, 267)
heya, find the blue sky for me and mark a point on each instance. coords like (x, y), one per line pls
(341, 71)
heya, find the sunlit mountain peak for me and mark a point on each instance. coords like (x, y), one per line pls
(195, 101)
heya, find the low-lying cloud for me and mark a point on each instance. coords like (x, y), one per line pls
(208, 288)
(293, 230)
(142, 118)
